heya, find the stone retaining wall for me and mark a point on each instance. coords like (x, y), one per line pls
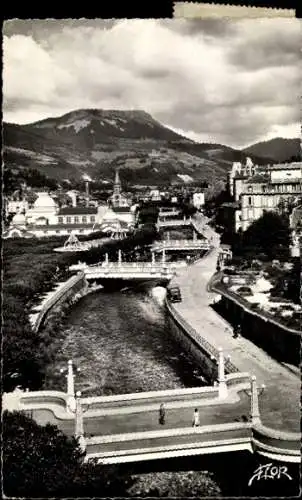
(73, 286)
(279, 341)
(205, 354)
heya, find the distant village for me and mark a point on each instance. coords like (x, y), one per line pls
(253, 189)
(65, 212)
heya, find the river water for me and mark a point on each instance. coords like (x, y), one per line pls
(122, 344)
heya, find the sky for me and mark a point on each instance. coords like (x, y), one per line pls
(233, 82)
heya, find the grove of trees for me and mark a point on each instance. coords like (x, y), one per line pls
(42, 462)
(268, 236)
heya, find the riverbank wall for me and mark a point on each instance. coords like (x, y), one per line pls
(202, 351)
(280, 342)
(66, 293)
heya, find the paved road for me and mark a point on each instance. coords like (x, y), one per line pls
(279, 404)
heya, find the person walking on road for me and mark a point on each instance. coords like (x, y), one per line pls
(162, 414)
(196, 421)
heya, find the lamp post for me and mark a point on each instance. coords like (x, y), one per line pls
(254, 394)
(70, 404)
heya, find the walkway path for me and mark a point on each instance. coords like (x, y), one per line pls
(280, 402)
(147, 420)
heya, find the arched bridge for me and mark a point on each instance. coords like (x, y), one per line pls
(122, 272)
(125, 428)
(183, 244)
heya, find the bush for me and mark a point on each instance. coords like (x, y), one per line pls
(40, 461)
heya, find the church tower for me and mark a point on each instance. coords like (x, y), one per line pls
(117, 198)
(117, 189)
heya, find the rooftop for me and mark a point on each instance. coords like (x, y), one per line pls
(121, 209)
(78, 211)
(257, 178)
(281, 166)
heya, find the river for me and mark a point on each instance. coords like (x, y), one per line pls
(122, 344)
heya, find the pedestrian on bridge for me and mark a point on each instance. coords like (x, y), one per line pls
(196, 421)
(162, 414)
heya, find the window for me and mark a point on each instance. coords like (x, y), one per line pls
(57, 231)
(68, 219)
(92, 218)
(84, 219)
(76, 220)
(61, 220)
(263, 189)
(249, 200)
(249, 189)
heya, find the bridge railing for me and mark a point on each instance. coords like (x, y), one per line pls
(181, 243)
(131, 266)
(176, 222)
(265, 437)
(131, 270)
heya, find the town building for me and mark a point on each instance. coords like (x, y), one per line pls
(198, 200)
(296, 231)
(256, 189)
(47, 218)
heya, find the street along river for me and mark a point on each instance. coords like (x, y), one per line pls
(122, 344)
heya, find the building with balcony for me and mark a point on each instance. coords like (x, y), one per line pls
(272, 187)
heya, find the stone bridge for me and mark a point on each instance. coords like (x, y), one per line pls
(125, 428)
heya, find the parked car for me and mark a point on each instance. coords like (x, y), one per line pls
(173, 294)
(244, 291)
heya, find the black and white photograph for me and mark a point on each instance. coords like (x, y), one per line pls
(151, 256)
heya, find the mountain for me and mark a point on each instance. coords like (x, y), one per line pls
(279, 150)
(96, 142)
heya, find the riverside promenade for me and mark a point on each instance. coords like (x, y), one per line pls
(280, 402)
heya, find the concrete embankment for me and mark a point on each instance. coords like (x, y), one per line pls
(70, 290)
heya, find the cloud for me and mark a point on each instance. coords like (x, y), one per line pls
(233, 82)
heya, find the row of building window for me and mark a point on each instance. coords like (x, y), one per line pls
(279, 188)
(59, 231)
(76, 220)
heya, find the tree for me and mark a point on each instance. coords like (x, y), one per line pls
(269, 235)
(40, 461)
(176, 484)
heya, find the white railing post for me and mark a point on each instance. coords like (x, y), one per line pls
(70, 387)
(119, 257)
(255, 412)
(164, 256)
(106, 259)
(222, 386)
(79, 424)
(152, 258)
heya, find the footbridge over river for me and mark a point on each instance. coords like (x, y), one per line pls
(180, 245)
(123, 272)
(126, 428)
